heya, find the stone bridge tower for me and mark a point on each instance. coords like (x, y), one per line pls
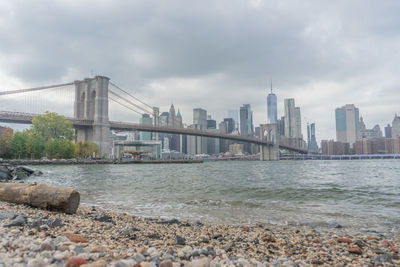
(91, 103)
(269, 132)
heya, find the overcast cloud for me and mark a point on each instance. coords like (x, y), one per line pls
(212, 54)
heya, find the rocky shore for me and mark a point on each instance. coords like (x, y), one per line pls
(93, 237)
(9, 172)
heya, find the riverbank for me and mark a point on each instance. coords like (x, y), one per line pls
(95, 161)
(96, 236)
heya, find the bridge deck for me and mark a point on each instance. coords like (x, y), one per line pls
(26, 118)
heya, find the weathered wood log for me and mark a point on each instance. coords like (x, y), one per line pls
(41, 196)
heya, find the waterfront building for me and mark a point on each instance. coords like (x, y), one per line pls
(290, 120)
(170, 119)
(5, 129)
(212, 143)
(370, 146)
(156, 122)
(236, 149)
(257, 132)
(332, 147)
(233, 113)
(246, 120)
(388, 131)
(392, 145)
(246, 124)
(230, 125)
(312, 142)
(211, 124)
(222, 127)
(163, 121)
(375, 132)
(297, 116)
(182, 137)
(171, 116)
(281, 126)
(173, 121)
(165, 144)
(347, 124)
(200, 117)
(197, 144)
(272, 109)
(396, 126)
(145, 120)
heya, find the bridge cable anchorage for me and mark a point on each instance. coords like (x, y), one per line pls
(130, 102)
(137, 99)
(116, 101)
(10, 92)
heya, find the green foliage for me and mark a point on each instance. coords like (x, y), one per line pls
(5, 141)
(18, 145)
(35, 145)
(51, 126)
(49, 135)
(59, 148)
(86, 149)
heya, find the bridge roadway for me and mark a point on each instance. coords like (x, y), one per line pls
(26, 118)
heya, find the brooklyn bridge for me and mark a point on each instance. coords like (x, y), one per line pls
(91, 106)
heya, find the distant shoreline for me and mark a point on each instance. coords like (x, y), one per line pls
(95, 161)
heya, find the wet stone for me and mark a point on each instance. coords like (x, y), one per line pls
(383, 258)
(7, 215)
(18, 221)
(103, 218)
(179, 240)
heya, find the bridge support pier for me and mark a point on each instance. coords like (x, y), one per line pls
(91, 103)
(269, 132)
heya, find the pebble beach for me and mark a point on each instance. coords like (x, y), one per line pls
(95, 237)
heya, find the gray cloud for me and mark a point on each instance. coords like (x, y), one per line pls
(214, 54)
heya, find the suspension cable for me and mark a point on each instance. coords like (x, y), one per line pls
(137, 99)
(33, 89)
(116, 101)
(130, 102)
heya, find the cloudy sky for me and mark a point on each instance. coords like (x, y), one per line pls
(213, 54)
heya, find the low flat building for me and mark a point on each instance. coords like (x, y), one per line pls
(332, 147)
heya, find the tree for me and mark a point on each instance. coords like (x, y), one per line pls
(52, 126)
(59, 148)
(5, 140)
(86, 149)
(35, 145)
(18, 145)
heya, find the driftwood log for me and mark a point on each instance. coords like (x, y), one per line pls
(41, 196)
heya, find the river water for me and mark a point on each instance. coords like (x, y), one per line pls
(318, 193)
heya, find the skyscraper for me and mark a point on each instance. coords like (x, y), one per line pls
(347, 124)
(200, 117)
(311, 140)
(272, 110)
(396, 126)
(297, 120)
(388, 131)
(230, 125)
(290, 121)
(145, 120)
(246, 120)
(232, 113)
(212, 143)
(198, 144)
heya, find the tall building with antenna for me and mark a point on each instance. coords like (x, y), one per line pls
(272, 110)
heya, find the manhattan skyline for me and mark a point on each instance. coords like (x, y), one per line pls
(210, 56)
